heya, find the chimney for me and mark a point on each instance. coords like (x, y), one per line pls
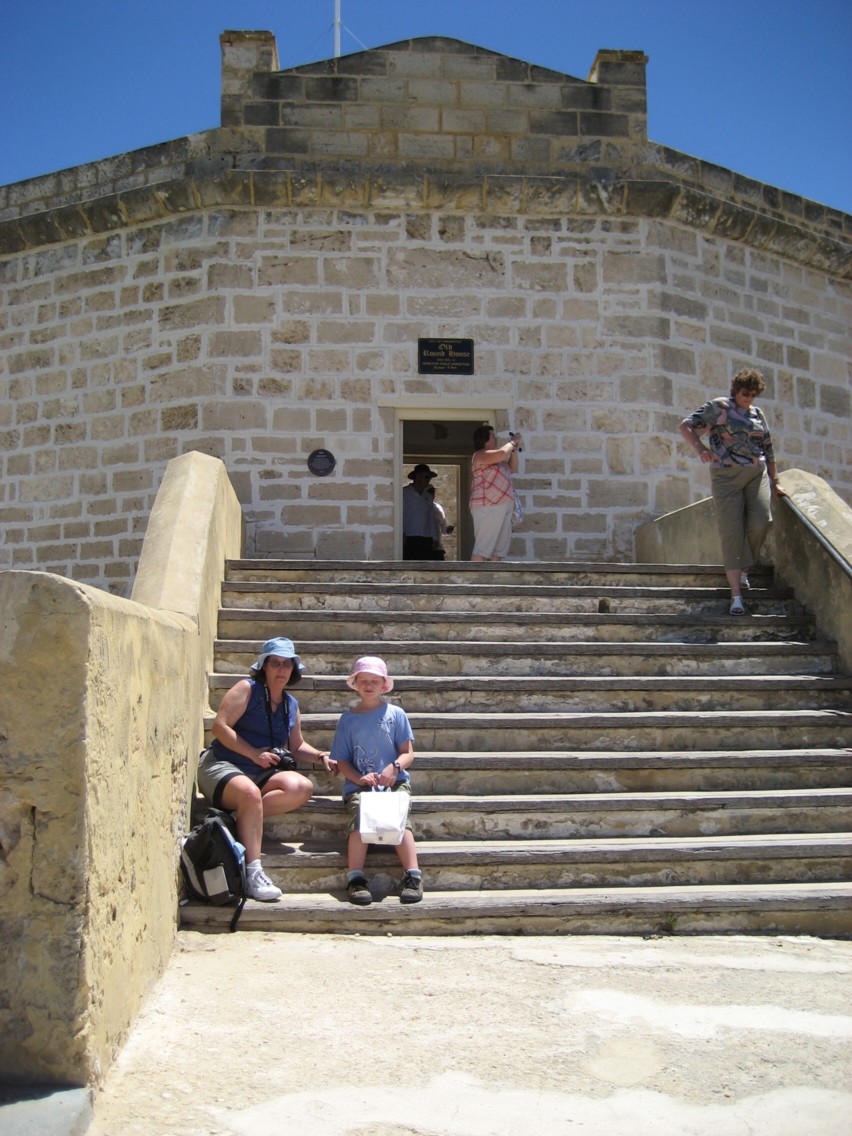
(623, 72)
(243, 54)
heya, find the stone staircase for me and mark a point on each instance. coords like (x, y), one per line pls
(600, 748)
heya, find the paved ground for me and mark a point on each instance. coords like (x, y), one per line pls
(259, 1034)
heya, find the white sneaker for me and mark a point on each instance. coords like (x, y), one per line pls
(260, 886)
(737, 607)
(744, 580)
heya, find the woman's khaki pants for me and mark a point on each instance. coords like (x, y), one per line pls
(742, 497)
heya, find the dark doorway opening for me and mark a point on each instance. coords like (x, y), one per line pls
(446, 446)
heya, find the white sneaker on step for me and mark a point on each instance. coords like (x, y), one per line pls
(737, 606)
(744, 580)
(260, 886)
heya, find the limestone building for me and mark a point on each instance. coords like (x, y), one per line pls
(269, 292)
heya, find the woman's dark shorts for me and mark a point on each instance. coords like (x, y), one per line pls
(214, 773)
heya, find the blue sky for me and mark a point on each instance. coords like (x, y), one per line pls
(763, 87)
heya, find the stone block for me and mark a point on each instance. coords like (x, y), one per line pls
(633, 267)
(620, 455)
(230, 344)
(481, 67)
(835, 400)
(286, 140)
(617, 492)
(432, 92)
(478, 94)
(331, 89)
(209, 311)
(285, 87)
(638, 326)
(562, 123)
(539, 277)
(351, 272)
(538, 96)
(679, 360)
(341, 544)
(425, 268)
(603, 124)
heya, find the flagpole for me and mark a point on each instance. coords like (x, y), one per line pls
(336, 29)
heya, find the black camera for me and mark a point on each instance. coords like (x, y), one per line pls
(286, 761)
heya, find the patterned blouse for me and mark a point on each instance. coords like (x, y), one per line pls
(491, 485)
(737, 436)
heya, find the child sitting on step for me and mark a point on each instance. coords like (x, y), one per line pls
(373, 747)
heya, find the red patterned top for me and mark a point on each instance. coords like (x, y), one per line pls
(491, 485)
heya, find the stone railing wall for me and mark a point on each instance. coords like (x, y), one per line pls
(101, 703)
(809, 545)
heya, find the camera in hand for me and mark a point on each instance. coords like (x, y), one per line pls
(513, 436)
(286, 761)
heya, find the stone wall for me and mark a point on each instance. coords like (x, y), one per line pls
(258, 292)
(91, 796)
(101, 704)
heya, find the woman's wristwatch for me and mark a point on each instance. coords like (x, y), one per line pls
(397, 767)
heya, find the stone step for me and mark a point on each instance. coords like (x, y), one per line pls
(664, 767)
(823, 909)
(517, 626)
(465, 572)
(596, 862)
(617, 771)
(649, 730)
(356, 596)
(551, 816)
(458, 694)
(471, 657)
(580, 772)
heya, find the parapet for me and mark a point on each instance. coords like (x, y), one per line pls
(428, 123)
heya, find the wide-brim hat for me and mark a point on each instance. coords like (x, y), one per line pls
(280, 647)
(421, 467)
(370, 664)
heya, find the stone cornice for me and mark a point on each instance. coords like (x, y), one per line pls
(818, 237)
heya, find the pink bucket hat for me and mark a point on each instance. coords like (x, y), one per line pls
(370, 664)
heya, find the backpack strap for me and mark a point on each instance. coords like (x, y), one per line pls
(232, 926)
(285, 710)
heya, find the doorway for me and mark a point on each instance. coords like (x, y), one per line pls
(445, 444)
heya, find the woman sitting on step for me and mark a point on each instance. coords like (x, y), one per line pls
(247, 769)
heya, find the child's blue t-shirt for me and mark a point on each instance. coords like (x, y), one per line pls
(371, 741)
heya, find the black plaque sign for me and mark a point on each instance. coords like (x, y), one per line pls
(445, 356)
(321, 462)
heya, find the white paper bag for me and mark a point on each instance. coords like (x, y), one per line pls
(382, 815)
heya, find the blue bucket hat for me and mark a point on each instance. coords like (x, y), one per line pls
(283, 649)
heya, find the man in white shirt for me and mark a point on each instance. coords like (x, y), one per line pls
(419, 528)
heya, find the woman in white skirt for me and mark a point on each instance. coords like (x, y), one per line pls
(492, 494)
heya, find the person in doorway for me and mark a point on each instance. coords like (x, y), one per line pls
(438, 550)
(419, 529)
(492, 494)
(373, 747)
(256, 724)
(743, 474)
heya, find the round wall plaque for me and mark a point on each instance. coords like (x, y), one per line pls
(321, 462)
